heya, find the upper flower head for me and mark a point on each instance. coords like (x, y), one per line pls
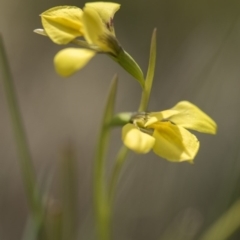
(94, 23)
(165, 132)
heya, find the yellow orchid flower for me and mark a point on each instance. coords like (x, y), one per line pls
(166, 132)
(94, 23)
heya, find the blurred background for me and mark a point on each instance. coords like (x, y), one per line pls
(198, 57)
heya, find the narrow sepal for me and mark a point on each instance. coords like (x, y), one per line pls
(130, 65)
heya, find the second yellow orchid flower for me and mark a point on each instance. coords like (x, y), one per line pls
(166, 132)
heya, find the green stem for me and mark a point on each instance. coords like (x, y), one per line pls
(122, 154)
(120, 160)
(101, 203)
(21, 140)
(104, 197)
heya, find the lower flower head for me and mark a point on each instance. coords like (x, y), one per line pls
(166, 132)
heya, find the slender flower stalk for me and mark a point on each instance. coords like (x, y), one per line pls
(123, 151)
(146, 92)
(101, 201)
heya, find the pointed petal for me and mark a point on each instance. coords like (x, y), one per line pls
(174, 143)
(130, 65)
(136, 140)
(106, 11)
(63, 24)
(96, 33)
(191, 117)
(159, 116)
(70, 60)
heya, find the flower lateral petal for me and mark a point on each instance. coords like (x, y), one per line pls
(63, 24)
(136, 140)
(191, 117)
(96, 33)
(106, 11)
(174, 143)
(70, 60)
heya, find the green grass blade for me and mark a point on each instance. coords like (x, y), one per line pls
(28, 174)
(69, 194)
(226, 225)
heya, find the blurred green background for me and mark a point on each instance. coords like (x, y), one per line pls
(198, 60)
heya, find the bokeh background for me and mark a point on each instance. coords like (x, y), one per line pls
(198, 59)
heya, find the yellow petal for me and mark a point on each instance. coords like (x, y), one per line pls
(106, 11)
(96, 33)
(63, 24)
(93, 25)
(70, 60)
(159, 116)
(191, 117)
(174, 143)
(136, 140)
